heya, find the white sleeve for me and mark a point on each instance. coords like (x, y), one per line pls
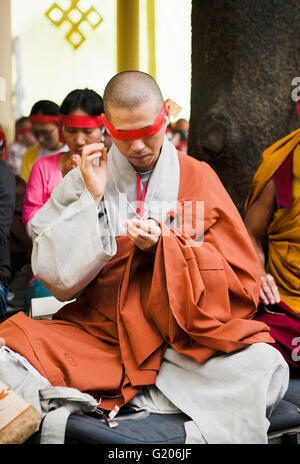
(72, 238)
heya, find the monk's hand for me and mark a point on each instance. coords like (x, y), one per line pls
(2, 342)
(95, 176)
(144, 234)
(269, 293)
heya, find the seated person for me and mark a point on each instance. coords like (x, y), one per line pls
(179, 140)
(80, 125)
(7, 206)
(24, 139)
(44, 120)
(165, 278)
(273, 214)
(20, 245)
(182, 125)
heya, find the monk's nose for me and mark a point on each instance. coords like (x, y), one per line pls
(137, 145)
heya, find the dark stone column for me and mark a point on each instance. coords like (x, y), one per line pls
(245, 55)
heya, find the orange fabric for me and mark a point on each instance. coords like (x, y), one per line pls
(199, 300)
(273, 157)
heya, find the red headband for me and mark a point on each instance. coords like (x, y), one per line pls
(79, 121)
(22, 130)
(298, 108)
(138, 133)
(66, 120)
(43, 118)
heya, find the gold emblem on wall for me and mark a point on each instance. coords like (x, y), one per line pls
(76, 17)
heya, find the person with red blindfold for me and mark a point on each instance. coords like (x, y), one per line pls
(24, 139)
(165, 280)
(44, 121)
(80, 124)
(272, 217)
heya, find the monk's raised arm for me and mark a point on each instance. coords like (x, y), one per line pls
(72, 238)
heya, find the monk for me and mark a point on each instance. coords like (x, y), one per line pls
(272, 220)
(165, 280)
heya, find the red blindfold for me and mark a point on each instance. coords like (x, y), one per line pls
(138, 133)
(78, 121)
(43, 119)
(23, 130)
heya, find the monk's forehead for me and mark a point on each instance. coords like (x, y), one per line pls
(152, 106)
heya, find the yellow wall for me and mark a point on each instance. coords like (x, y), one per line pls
(50, 66)
(6, 110)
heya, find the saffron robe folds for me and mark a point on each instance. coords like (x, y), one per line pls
(197, 295)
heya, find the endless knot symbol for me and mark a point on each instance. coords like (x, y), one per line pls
(76, 17)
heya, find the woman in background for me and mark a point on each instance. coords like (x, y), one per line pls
(80, 124)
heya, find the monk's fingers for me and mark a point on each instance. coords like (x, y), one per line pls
(263, 299)
(92, 148)
(92, 152)
(148, 244)
(137, 239)
(269, 288)
(2, 341)
(136, 231)
(273, 287)
(148, 226)
(88, 160)
(270, 283)
(266, 291)
(141, 238)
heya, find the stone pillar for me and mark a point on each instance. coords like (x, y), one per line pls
(245, 56)
(6, 51)
(151, 38)
(127, 35)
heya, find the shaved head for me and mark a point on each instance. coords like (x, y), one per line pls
(130, 89)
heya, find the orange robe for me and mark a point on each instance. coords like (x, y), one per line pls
(200, 300)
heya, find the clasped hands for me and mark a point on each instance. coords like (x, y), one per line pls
(144, 233)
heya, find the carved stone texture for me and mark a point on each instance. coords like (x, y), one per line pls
(245, 55)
